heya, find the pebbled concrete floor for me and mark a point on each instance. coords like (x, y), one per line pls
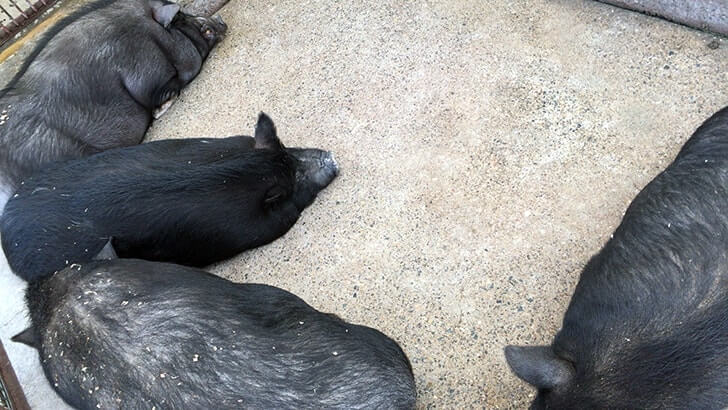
(487, 150)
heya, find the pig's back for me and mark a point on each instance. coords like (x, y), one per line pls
(672, 243)
(181, 337)
(68, 99)
(650, 306)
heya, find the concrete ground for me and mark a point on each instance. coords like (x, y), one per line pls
(487, 150)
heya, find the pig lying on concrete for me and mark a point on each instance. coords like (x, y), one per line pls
(95, 80)
(128, 333)
(92, 83)
(647, 326)
(191, 201)
(14, 319)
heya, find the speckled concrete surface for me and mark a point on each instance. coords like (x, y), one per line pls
(487, 150)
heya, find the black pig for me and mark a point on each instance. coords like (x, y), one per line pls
(647, 326)
(190, 201)
(95, 80)
(128, 333)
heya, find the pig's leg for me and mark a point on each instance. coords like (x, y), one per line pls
(159, 111)
(166, 96)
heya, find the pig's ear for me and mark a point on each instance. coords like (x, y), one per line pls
(163, 12)
(265, 133)
(539, 366)
(27, 337)
(107, 252)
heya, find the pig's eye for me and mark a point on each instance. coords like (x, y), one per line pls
(208, 32)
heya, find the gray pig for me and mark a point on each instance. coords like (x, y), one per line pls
(646, 327)
(128, 333)
(96, 80)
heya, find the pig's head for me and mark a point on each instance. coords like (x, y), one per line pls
(311, 169)
(204, 32)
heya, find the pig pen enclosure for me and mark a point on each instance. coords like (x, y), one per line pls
(487, 150)
(16, 15)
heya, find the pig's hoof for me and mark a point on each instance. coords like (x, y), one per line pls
(159, 111)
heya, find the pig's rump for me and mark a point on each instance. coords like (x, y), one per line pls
(132, 333)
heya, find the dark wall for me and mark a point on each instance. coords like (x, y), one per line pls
(709, 15)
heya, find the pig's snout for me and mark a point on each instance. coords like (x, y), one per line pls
(315, 169)
(314, 166)
(222, 27)
(328, 168)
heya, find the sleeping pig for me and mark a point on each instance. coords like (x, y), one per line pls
(647, 326)
(95, 81)
(190, 201)
(127, 333)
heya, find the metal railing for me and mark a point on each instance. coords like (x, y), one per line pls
(11, 395)
(16, 15)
